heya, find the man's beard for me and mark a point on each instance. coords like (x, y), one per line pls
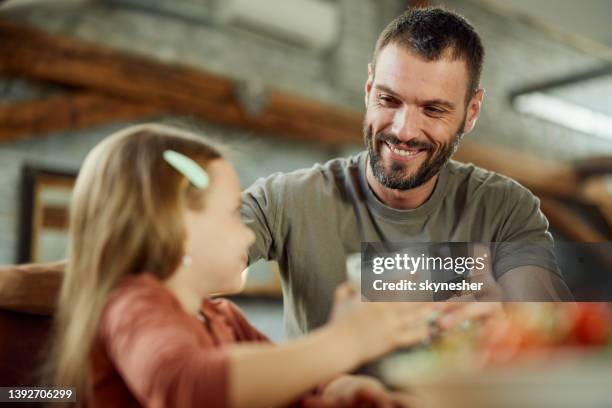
(396, 177)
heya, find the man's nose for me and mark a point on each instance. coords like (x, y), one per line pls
(406, 123)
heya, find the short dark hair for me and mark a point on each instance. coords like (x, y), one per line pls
(435, 33)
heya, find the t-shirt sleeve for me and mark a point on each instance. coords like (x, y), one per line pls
(259, 212)
(159, 358)
(524, 238)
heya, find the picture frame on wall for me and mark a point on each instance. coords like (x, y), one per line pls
(44, 209)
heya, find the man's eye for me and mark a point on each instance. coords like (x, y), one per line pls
(387, 99)
(432, 110)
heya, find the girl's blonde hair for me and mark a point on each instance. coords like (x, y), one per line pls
(125, 218)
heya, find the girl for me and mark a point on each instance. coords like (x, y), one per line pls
(155, 231)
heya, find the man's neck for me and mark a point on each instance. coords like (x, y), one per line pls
(400, 199)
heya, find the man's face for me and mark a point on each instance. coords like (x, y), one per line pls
(416, 115)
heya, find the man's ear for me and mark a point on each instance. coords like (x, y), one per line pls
(369, 83)
(473, 110)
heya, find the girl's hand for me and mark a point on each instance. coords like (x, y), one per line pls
(375, 328)
(351, 391)
(357, 391)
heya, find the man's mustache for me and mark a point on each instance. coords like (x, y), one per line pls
(411, 144)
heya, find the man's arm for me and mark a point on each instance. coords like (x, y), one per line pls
(522, 283)
(525, 263)
(533, 284)
(31, 288)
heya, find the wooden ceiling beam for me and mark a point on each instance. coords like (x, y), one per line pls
(67, 111)
(35, 54)
(568, 223)
(597, 190)
(544, 178)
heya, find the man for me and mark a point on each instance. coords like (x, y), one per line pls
(422, 95)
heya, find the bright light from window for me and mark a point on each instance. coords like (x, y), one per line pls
(565, 113)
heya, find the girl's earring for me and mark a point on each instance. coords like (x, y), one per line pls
(187, 260)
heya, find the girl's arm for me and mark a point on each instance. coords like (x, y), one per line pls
(164, 366)
(272, 375)
(264, 375)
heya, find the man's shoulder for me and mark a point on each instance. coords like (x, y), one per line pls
(477, 180)
(320, 177)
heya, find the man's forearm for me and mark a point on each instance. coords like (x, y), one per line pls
(532, 283)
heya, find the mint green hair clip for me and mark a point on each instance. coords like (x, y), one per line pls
(188, 168)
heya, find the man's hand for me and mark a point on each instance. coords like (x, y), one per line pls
(456, 313)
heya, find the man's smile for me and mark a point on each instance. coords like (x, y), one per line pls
(403, 153)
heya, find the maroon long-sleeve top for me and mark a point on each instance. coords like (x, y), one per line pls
(150, 352)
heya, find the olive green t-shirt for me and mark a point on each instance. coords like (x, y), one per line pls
(309, 220)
